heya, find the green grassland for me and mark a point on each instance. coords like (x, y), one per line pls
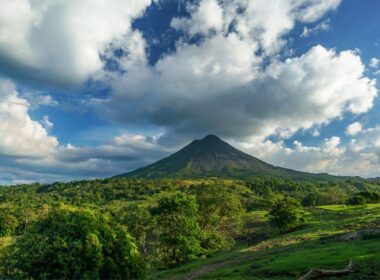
(315, 244)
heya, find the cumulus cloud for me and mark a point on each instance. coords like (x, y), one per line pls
(47, 124)
(265, 24)
(207, 16)
(226, 83)
(354, 128)
(374, 63)
(321, 158)
(218, 87)
(19, 134)
(360, 157)
(60, 42)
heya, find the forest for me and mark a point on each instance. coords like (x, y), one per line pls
(134, 228)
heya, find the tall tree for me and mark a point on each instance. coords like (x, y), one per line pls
(178, 228)
(220, 215)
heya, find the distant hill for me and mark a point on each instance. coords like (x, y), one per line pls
(212, 157)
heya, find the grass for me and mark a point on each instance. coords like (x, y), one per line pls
(315, 244)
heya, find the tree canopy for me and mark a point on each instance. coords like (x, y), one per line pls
(72, 243)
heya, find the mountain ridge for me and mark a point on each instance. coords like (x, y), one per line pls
(213, 157)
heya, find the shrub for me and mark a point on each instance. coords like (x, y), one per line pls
(285, 214)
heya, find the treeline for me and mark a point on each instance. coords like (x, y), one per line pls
(309, 193)
(118, 228)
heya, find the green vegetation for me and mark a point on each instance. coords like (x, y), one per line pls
(285, 213)
(318, 243)
(70, 243)
(133, 228)
(178, 230)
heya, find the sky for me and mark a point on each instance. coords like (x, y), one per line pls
(94, 88)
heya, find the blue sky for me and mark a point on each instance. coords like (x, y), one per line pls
(91, 89)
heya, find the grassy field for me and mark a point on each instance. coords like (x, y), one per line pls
(315, 244)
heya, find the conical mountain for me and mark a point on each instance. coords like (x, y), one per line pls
(212, 157)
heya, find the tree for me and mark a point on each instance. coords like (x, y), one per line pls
(220, 216)
(357, 200)
(8, 222)
(71, 243)
(369, 196)
(178, 229)
(285, 213)
(139, 223)
(219, 209)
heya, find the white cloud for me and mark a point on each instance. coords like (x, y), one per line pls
(207, 16)
(374, 63)
(120, 154)
(19, 134)
(220, 84)
(315, 133)
(311, 10)
(353, 129)
(265, 24)
(359, 157)
(47, 124)
(61, 41)
(323, 26)
(218, 87)
(36, 99)
(323, 158)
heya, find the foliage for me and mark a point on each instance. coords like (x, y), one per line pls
(369, 196)
(357, 200)
(71, 243)
(285, 213)
(291, 255)
(139, 223)
(220, 216)
(214, 224)
(177, 227)
(8, 222)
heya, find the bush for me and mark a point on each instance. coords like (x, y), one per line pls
(72, 243)
(213, 242)
(285, 213)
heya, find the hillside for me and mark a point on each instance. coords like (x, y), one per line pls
(323, 242)
(212, 157)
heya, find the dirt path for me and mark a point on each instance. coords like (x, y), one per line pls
(194, 274)
(209, 268)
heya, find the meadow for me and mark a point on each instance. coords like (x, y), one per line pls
(317, 243)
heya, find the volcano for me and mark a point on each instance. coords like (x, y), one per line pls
(213, 157)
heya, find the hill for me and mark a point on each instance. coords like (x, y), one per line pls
(330, 239)
(213, 157)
